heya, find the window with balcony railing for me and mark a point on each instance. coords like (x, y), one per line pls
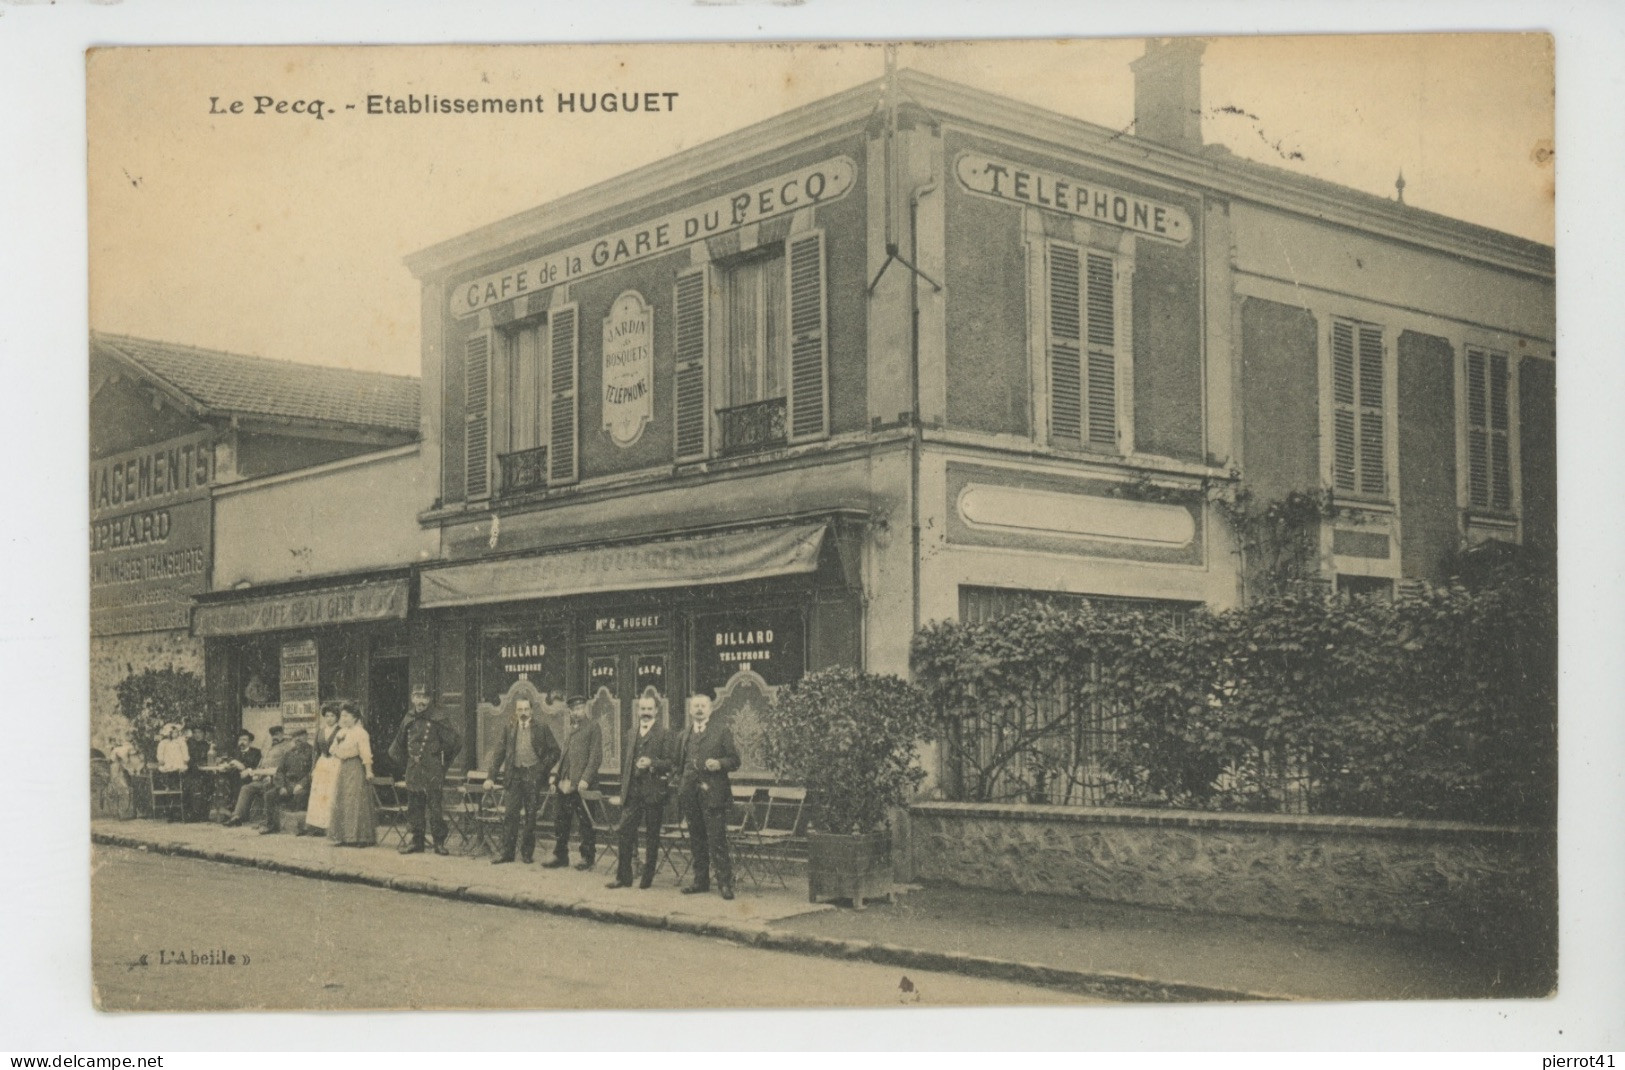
(522, 470)
(748, 428)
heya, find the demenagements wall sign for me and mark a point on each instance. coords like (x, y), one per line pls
(816, 184)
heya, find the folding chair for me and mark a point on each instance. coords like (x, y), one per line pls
(783, 826)
(603, 825)
(674, 850)
(168, 795)
(101, 777)
(463, 795)
(490, 814)
(391, 806)
(743, 824)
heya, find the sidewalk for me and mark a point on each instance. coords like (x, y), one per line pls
(1106, 950)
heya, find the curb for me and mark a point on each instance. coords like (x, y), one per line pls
(1105, 985)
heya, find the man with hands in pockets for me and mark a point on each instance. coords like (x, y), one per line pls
(526, 752)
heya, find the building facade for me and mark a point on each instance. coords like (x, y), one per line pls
(911, 353)
(916, 352)
(170, 428)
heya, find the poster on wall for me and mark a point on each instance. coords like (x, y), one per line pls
(300, 677)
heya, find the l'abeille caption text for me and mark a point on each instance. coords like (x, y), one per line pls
(612, 102)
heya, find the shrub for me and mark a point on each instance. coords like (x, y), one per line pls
(850, 739)
(153, 697)
(1437, 705)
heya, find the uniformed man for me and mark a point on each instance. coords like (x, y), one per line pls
(425, 747)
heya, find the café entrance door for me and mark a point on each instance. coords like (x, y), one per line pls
(617, 676)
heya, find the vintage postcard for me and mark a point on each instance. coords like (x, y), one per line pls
(810, 525)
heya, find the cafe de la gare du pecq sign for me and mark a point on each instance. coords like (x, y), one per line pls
(786, 194)
(1016, 183)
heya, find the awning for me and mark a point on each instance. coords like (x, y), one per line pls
(349, 603)
(701, 559)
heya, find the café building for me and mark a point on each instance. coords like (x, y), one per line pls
(917, 352)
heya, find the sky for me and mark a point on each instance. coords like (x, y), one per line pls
(283, 235)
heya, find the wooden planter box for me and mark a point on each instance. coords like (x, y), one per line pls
(855, 867)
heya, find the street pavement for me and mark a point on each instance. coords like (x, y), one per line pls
(323, 945)
(1104, 950)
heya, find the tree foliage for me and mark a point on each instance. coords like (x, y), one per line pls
(151, 698)
(850, 739)
(1439, 704)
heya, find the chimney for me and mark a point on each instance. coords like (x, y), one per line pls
(1168, 92)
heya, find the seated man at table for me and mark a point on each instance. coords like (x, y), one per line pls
(257, 778)
(289, 783)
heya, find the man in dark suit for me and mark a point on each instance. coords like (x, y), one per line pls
(527, 751)
(195, 783)
(290, 783)
(577, 771)
(247, 756)
(704, 794)
(424, 747)
(644, 773)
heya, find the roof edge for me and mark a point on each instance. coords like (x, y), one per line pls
(572, 209)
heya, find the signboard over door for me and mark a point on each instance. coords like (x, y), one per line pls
(537, 654)
(768, 642)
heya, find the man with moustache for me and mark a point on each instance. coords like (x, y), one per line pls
(644, 773)
(704, 793)
(527, 751)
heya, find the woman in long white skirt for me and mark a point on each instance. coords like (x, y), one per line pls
(324, 778)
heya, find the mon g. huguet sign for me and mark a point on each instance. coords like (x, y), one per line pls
(787, 193)
(1017, 183)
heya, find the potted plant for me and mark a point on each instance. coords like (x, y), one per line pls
(849, 738)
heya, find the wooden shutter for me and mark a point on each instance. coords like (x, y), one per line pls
(1359, 436)
(808, 415)
(1489, 460)
(1065, 344)
(477, 415)
(690, 419)
(562, 448)
(1373, 456)
(1500, 431)
(1343, 457)
(1101, 302)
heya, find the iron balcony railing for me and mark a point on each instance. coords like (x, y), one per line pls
(758, 425)
(522, 470)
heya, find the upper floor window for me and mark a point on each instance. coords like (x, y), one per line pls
(520, 412)
(1083, 320)
(752, 350)
(1489, 424)
(1359, 414)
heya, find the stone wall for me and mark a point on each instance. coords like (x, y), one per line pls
(113, 657)
(1417, 876)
